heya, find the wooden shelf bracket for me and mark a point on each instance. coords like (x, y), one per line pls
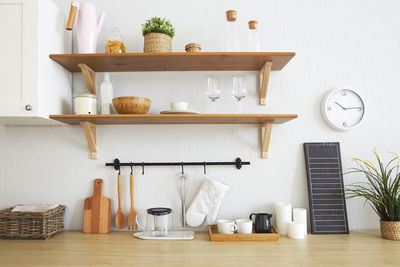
(90, 77)
(266, 129)
(91, 136)
(264, 80)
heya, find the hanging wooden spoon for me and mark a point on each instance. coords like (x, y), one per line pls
(120, 220)
(132, 214)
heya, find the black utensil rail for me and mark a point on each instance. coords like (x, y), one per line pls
(238, 163)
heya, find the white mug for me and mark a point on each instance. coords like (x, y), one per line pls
(244, 226)
(180, 105)
(226, 226)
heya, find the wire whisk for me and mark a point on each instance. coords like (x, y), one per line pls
(183, 183)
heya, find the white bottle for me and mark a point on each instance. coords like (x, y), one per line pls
(106, 95)
(253, 39)
(232, 33)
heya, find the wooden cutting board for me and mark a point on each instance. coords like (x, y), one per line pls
(97, 211)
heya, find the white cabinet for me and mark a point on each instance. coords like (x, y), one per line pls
(32, 86)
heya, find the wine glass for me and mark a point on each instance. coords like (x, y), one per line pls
(239, 89)
(213, 90)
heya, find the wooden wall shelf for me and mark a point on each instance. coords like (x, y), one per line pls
(175, 118)
(263, 62)
(89, 122)
(175, 61)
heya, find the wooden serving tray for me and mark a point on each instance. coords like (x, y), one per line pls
(254, 237)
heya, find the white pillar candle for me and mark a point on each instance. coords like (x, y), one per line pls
(283, 212)
(296, 230)
(300, 216)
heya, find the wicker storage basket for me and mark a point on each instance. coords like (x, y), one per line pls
(31, 225)
(193, 48)
(390, 230)
(157, 43)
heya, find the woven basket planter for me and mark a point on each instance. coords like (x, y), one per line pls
(390, 230)
(157, 43)
(31, 225)
(193, 48)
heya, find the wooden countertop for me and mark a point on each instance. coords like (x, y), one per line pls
(361, 248)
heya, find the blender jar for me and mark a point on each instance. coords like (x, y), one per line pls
(157, 221)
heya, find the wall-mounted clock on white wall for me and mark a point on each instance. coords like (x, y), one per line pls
(343, 109)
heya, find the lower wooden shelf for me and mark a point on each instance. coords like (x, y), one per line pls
(89, 123)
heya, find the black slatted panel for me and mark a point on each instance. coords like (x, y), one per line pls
(325, 188)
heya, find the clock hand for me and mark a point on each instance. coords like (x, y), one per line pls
(340, 106)
(359, 108)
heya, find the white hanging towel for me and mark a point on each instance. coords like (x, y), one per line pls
(206, 203)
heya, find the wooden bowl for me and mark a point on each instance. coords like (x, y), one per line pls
(131, 105)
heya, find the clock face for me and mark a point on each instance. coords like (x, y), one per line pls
(343, 109)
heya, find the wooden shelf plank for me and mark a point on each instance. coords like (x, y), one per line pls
(175, 61)
(175, 118)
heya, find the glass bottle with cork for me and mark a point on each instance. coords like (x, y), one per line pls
(232, 34)
(253, 38)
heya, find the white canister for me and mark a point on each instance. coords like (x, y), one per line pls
(85, 104)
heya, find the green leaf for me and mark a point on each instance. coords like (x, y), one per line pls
(158, 25)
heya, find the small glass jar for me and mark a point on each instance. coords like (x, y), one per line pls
(115, 42)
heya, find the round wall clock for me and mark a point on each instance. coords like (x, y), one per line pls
(343, 109)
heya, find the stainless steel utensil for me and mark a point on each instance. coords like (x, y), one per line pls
(183, 183)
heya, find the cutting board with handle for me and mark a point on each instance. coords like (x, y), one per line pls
(97, 211)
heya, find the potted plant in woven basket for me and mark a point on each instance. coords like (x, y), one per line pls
(158, 34)
(381, 191)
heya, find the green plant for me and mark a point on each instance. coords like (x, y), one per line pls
(159, 25)
(382, 189)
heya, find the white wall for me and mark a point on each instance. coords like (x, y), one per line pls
(339, 44)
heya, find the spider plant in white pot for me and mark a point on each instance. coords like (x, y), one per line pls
(381, 191)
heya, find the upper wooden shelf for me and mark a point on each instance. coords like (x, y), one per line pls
(175, 118)
(175, 61)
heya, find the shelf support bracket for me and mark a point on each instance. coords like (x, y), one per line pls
(264, 80)
(266, 129)
(91, 136)
(90, 77)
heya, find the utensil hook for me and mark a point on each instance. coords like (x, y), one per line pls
(204, 166)
(131, 168)
(182, 168)
(119, 170)
(142, 168)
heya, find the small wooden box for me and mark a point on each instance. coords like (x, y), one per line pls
(254, 237)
